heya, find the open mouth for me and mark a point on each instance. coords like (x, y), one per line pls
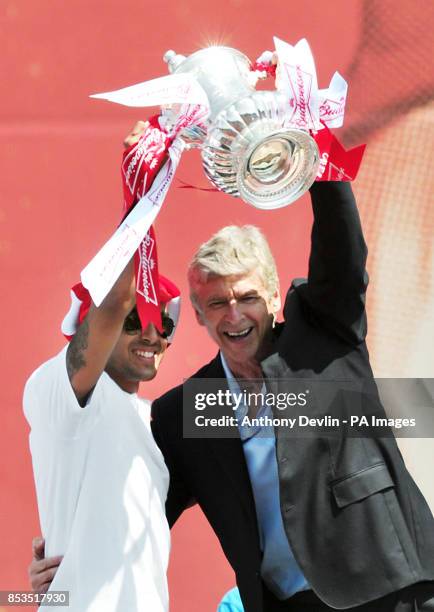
(146, 356)
(238, 336)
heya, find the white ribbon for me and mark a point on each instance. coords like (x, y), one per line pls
(101, 273)
(332, 102)
(170, 89)
(297, 78)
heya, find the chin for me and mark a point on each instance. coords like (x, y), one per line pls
(241, 356)
(146, 376)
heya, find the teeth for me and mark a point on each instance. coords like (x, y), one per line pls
(238, 334)
(146, 354)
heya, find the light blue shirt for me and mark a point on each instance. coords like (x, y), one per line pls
(279, 569)
(231, 602)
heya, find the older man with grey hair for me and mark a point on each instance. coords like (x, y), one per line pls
(308, 523)
(234, 289)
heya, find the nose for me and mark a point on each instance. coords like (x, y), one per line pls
(233, 312)
(150, 334)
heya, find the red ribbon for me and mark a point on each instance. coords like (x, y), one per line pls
(185, 185)
(336, 163)
(269, 68)
(141, 163)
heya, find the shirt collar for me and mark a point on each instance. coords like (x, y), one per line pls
(246, 431)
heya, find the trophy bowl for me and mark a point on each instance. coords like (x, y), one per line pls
(250, 152)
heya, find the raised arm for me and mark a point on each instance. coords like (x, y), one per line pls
(96, 337)
(337, 278)
(93, 342)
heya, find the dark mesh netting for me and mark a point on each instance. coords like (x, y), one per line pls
(391, 107)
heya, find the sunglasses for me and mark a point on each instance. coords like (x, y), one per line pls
(132, 324)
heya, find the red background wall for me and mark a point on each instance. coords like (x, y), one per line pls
(60, 195)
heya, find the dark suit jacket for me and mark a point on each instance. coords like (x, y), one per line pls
(356, 522)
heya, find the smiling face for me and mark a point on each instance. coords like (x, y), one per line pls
(238, 312)
(136, 357)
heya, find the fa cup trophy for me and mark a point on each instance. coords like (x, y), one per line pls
(250, 144)
(266, 147)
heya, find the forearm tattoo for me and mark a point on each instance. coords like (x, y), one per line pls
(75, 354)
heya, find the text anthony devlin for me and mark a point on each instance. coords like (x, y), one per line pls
(266, 421)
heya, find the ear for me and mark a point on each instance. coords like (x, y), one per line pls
(276, 302)
(199, 316)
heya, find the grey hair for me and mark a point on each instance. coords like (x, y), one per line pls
(236, 250)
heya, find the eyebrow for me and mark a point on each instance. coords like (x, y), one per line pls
(221, 298)
(217, 298)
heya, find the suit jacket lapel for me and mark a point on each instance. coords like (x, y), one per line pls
(229, 452)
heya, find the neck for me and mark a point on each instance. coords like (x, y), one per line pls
(129, 386)
(250, 369)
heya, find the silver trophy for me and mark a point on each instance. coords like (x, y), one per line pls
(249, 147)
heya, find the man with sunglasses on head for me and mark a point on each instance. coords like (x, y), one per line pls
(101, 480)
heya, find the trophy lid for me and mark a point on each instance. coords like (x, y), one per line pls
(214, 53)
(173, 60)
(222, 72)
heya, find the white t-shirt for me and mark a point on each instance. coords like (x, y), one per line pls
(101, 485)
